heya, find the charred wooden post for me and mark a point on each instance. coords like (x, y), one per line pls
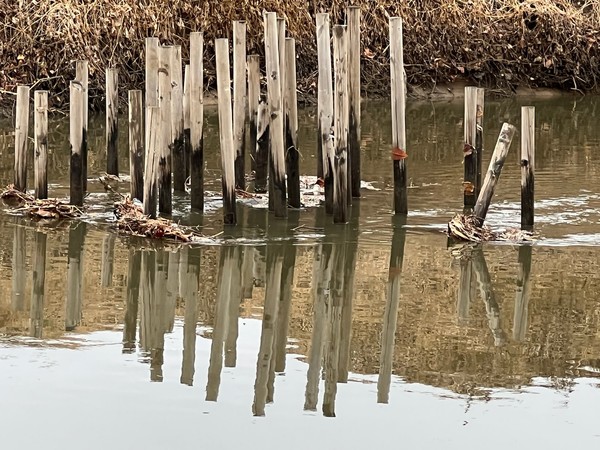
(21, 138)
(277, 156)
(353, 18)
(390, 315)
(187, 144)
(253, 101)
(262, 148)
(18, 268)
(523, 294)
(132, 302)
(292, 156)
(82, 75)
(527, 166)
(74, 275)
(240, 99)
(153, 125)
(340, 167)
(112, 121)
(40, 151)
(469, 150)
(226, 131)
(165, 195)
(197, 120)
(108, 257)
(36, 321)
(325, 110)
(398, 84)
(493, 174)
(136, 144)
(177, 138)
(76, 123)
(480, 94)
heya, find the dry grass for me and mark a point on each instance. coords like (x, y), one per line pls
(498, 44)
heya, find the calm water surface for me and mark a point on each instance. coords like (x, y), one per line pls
(371, 334)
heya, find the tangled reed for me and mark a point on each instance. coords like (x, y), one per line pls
(498, 44)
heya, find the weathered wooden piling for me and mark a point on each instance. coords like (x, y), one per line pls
(40, 150)
(136, 144)
(281, 31)
(197, 120)
(18, 268)
(108, 257)
(112, 121)
(36, 321)
(493, 174)
(340, 167)
(469, 150)
(74, 275)
(262, 148)
(292, 156)
(325, 109)
(398, 84)
(390, 315)
(132, 302)
(165, 195)
(277, 148)
(253, 62)
(240, 99)
(480, 94)
(523, 294)
(152, 45)
(21, 137)
(353, 19)
(82, 75)
(152, 158)
(527, 166)
(177, 120)
(187, 144)
(76, 123)
(226, 131)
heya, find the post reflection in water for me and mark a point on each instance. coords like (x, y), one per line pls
(18, 268)
(108, 256)
(36, 321)
(523, 294)
(132, 301)
(390, 316)
(189, 284)
(73, 308)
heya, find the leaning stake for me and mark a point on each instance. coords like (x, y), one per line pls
(527, 166)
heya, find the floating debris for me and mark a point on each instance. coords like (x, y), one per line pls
(466, 228)
(45, 209)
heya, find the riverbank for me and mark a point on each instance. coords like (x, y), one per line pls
(503, 45)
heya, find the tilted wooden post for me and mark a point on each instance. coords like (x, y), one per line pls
(398, 85)
(527, 166)
(40, 151)
(277, 158)
(165, 196)
(253, 100)
(292, 156)
(353, 18)
(177, 140)
(197, 120)
(493, 174)
(82, 75)
(240, 100)
(21, 138)
(226, 131)
(76, 122)
(136, 144)
(152, 157)
(340, 105)
(469, 150)
(112, 121)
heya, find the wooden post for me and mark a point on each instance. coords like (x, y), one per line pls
(325, 110)
(82, 75)
(226, 131)
(131, 306)
(398, 84)
(152, 157)
(21, 137)
(136, 144)
(112, 121)
(36, 323)
(165, 196)
(340, 168)
(187, 144)
(262, 148)
(197, 120)
(390, 315)
(292, 156)
(239, 101)
(177, 139)
(76, 122)
(253, 100)
(527, 166)
(353, 18)
(277, 156)
(480, 94)
(40, 152)
(18, 268)
(523, 294)
(469, 150)
(152, 45)
(108, 256)
(74, 275)
(491, 178)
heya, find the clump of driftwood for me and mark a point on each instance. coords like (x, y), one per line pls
(132, 220)
(46, 209)
(466, 227)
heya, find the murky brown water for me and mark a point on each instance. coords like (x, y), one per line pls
(301, 319)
